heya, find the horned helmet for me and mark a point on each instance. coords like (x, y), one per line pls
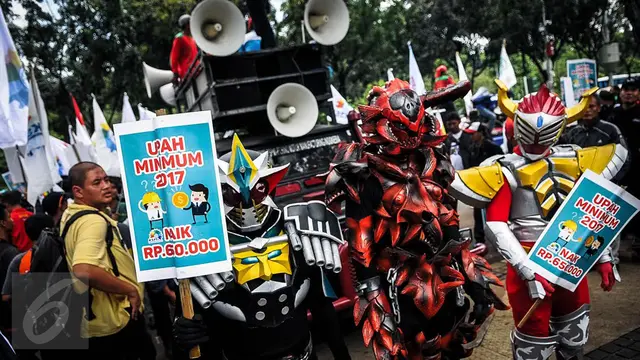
(248, 182)
(396, 117)
(540, 118)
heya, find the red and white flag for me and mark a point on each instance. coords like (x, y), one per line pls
(82, 135)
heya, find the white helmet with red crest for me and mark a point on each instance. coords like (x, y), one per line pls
(540, 118)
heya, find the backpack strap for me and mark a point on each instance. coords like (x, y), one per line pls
(109, 242)
(108, 237)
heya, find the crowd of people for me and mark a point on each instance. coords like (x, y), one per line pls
(95, 212)
(612, 117)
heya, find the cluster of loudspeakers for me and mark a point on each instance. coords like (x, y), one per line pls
(218, 28)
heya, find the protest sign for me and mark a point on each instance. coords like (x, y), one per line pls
(11, 185)
(584, 76)
(173, 196)
(591, 216)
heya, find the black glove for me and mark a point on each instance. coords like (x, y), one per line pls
(190, 332)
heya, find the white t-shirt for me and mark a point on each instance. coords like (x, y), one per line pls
(457, 135)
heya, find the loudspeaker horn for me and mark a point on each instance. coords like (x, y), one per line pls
(218, 27)
(327, 21)
(292, 110)
(168, 94)
(155, 78)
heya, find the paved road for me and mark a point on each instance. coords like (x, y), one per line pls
(614, 317)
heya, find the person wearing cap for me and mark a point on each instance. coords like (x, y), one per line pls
(627, 117)
(184, 50)
(442, 79)
(607, 103)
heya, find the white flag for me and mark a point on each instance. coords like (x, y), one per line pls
(81, 134)
(462, 75)
(390, 74)
(127, 110)
(415, 76)
(507, 75)
(340, 106)
(145, 114)
(104, 142)
(63, 154)
(35, 161)
(14, 92)
(44, 121)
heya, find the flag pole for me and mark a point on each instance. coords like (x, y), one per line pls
(72, 140)
(24, 175)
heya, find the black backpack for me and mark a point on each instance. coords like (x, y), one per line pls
(49, 257)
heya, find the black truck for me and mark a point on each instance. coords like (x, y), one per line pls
(236, 90)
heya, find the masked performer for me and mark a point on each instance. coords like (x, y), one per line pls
(521, 192)
(411, 266)
(259, 311)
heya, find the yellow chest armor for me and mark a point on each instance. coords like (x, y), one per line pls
(551, 179)
(543, 183)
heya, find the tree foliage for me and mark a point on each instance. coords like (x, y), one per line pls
(97, 46)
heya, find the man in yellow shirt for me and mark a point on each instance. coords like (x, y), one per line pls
(113, 320)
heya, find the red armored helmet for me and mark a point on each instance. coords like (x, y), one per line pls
(396, 116)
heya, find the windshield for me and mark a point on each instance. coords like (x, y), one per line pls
(308, 157)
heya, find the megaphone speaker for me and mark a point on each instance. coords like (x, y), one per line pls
(327, 21)
(168, 94)
(155, 78)
(218, 27)
(292, 110)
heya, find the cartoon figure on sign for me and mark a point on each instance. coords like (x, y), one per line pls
(567, 229)
(593, 246)
(199, 202)
(152, 206)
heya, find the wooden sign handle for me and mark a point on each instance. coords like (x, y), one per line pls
(532, 309)
(187, 311)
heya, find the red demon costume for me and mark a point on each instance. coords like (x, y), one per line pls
(412, 269)
(521, 192)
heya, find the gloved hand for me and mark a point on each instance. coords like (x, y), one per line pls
(539, 288)
(606, 273)
(190, 332)
(317, 234)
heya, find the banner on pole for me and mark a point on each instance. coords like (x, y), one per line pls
(591, 216)
(174, 197)
(584, 76)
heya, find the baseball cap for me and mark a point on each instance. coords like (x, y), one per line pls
(631, 84)
(184, 19)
